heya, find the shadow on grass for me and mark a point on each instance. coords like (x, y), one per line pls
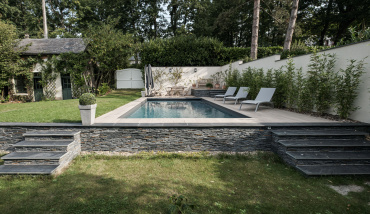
(238, 184)
(85, 193)
(265, 184)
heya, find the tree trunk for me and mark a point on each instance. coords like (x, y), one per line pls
(326, 22)
(256, 16)
(44, 19)
(290, 31)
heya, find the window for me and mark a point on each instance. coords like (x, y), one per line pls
(20, 84)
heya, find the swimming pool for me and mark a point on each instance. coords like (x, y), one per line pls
(180, 108)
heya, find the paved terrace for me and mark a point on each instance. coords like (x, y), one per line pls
(265, 116)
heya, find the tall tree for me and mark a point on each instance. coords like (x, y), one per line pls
(256, 16)
(292, 20)
(44, 21)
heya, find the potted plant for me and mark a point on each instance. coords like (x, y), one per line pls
(209, 86)
(217, 79)
(87, 108)
(194, 84)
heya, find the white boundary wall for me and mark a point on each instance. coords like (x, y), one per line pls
(356, 51)
(188, 76)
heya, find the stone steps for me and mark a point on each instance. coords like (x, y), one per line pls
(335, 169)
(42, 153)
(329, 152)
(48, 145)
(32, 158)
(323, 158)
(325, 144)
(28, 169)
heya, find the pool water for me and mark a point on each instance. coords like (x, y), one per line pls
(182, 109)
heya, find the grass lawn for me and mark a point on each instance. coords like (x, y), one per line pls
(62, 111)
(143, 184)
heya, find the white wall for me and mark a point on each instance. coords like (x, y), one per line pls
(357, 51)
(188, 76)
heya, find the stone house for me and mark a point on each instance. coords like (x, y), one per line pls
(46, 48)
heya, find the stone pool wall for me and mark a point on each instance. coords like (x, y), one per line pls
(186, 139)
(118, 139)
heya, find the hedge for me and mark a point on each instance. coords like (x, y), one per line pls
(196, 51)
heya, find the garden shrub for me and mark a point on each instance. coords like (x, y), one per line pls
(268, 81)
(254, 79)
(103, 89)
(290, 84)
(87, 99)
(232, 77)
(304, 98)
(321, 78)
(279, 83)
(346, 85)
(319, 91)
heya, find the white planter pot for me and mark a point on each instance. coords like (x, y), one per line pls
(142, 93)
(87, 114)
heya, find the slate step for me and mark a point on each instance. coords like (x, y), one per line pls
(325, 145)
(335, 169)
(48, 145)
(34, 158)
(54, 143)
(33, 155)
(330, 155)
(27, 169)
(319, 133)
(325, 158)
(51, 135)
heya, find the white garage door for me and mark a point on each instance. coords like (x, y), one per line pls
(129, 78)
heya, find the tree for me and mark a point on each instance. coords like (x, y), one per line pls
(292, 20)
(25, 15)
(256, 14)
(109, 50)
(44, 20)
(10, 62)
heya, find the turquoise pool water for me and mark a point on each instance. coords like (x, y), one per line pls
(196, 108)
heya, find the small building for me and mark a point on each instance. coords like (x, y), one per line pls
(46, 48)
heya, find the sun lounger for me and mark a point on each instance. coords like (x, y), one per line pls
(230, 92)
(242, 94)
(264, 96)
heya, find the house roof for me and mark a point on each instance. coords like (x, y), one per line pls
(52, 46)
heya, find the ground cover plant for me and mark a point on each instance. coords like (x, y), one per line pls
(148, 183)
(64, 110)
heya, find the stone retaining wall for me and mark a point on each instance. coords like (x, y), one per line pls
(133, 140)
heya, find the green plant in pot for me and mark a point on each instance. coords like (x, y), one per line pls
(87, 108)
(209, 85)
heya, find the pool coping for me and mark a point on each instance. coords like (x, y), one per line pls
(157, 123)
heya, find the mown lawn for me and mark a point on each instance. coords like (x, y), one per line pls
(63, 111)
(143, 183)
